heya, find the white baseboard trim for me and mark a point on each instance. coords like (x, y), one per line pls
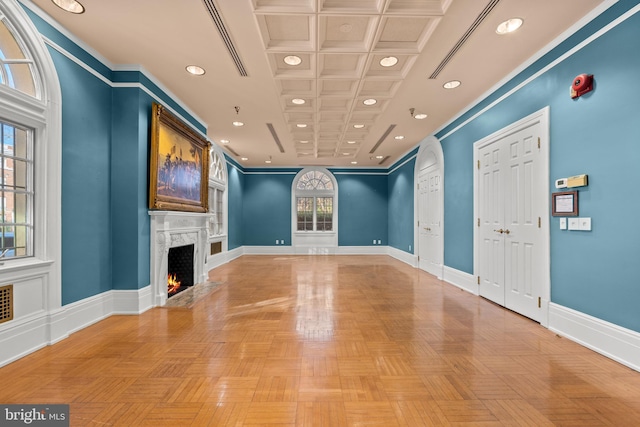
(403, 256)
(267, 250)
(462, 280)
(37, 331)
(608, 339)
(362, 250)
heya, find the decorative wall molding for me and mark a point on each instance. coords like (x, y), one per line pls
(612, 341)
(460, 279)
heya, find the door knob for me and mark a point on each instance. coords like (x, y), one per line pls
(499, 231)
(507, 231)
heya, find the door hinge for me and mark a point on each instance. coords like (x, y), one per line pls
(478, 280)
(478, 164)
(478, 222)
(538, 143)
(418, 186)
(539, 222)
(539, 302)
(418, 258)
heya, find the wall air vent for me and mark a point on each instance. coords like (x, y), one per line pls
(226, 37)
(6, 303)
(483, 15)
(275, 137)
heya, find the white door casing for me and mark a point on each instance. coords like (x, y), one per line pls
(512, 238)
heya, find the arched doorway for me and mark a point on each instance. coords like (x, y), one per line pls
(429, 207)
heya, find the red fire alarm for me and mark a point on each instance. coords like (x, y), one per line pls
(581, 84)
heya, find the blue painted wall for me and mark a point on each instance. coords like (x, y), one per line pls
(401, 204)
(592, 272)
(86, 190)
(362, 209)
(266, 214)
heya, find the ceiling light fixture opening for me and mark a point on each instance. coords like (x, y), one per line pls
(304, 141)
(71, 6)
(244, 159)
(292, 60)
(509, 26)
(452, 84)
(224, 141)
(420, 116)
(298, 101)
(351, 142)
(399, 137)
(388, 61)
(370, 101)
(358, 126)
(195, 70)
(301, 125)
(238, 124)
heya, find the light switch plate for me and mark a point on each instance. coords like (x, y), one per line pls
(563, 223)
(574, 223)
(585, 224)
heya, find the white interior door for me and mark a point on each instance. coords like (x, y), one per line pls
(511, 203)
(430, 186)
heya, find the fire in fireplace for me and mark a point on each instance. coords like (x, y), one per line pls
(180, 269)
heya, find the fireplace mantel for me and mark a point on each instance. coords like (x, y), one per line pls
(172, 229)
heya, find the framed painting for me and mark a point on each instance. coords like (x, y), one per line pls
(178, 166)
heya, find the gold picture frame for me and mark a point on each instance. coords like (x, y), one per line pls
(178, 166)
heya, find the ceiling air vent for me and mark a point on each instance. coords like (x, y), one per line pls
(226, 37)
(275, 137)
(382, 138)
(483, 15)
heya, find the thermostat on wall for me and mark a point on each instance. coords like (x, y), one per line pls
(561, 183)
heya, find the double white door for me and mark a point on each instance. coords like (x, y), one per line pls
(512, 260)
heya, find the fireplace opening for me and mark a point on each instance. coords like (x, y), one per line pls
(180, 269)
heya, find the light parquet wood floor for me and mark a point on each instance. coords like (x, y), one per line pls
(326, 341)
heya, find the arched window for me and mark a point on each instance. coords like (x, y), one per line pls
(30, 181)
(314, 201)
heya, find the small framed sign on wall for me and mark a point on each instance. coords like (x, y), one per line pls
(564, 203)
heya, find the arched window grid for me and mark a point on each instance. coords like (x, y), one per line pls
(315, 202)
(17, 67)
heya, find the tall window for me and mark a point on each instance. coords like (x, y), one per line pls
(16, 168)
(18, 76)
(217, 192)
(314, 202)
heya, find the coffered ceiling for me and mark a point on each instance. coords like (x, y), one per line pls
(339, 106)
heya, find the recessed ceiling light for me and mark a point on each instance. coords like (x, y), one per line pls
(298, 101)
(195, 70)
(238, 124)
(301, 125)
(224, 141)
(452, 84)
(244, 159)
(346, 154)
(267, 161)
(304, 141)
(399, 137)
(358, 126)
(509, 26)
(388, 61)
(369, 101)
(292, 60)
(346, 28)
(69, 5)
(420, 116)
(354, 163)
(379, 157)
(351, 142)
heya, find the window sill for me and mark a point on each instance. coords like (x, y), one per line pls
(315, 233)
(10, 266)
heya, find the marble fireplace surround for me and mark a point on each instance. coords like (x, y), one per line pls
(171, 229)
